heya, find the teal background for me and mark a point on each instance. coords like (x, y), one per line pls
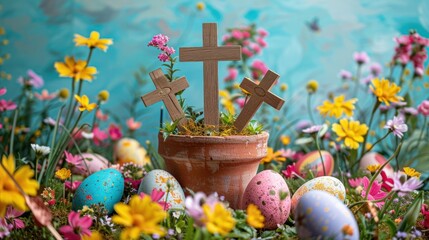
(41, 32)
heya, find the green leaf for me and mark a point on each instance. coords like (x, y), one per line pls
(392, 226)
(412, 214)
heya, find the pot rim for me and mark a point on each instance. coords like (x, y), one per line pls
(230, 139)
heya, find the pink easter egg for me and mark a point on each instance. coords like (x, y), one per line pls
(312, 162)
(92, 163)
(270, 193)
(373, 158)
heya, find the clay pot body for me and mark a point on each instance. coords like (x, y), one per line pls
(214, 164)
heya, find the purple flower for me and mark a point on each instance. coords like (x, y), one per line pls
(312, 129)
(158, 41)
(375, 69)
(384, 108)
(194, 205)
(397, 126)
(404, 186)
(302, 124)
(35, 79)
(361, 57)
(367, 80)
(410, 111)
(399, 104)
(345, 75)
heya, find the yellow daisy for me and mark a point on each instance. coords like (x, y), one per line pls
(75, 69)
(352, 132)
(93, 41)
(338, 107)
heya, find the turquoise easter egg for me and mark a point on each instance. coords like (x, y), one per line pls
(319, 215)
(164, 181)
(313, 162)
(105, 186)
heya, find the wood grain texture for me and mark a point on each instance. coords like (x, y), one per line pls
(210, 54)
(258, 94)
(166, 91)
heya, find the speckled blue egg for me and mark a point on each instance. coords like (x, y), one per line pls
(105, 186)
(158, 179)
(319, 215)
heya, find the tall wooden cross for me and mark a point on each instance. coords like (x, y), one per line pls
(210, 54)
(166, 92)
(258, 94)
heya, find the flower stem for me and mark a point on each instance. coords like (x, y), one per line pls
(421, 132)
(381, 169)
(70, 103)
(358, 73)
(95, 115)
(316, 138)
(310, 114)
(387, 204)
(378, 141)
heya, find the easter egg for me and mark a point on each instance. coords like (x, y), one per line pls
(270, 193)
(105, 187)
(312, 161)
(92, 163)
(373, 158)
(327, 184)
(164, 181)
(319, 215)
(128, 150)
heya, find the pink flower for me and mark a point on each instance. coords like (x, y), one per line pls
(77, 227)
(237, 34)
(290, 171)
(256, 48)
(262, 32)
(7, 105)
(169, 50)
(361, 57)
(133, 125)
(73, 160)
(115, 132)
(156, 196)
(35, 80)
(163, 57)
(403, 185)
(4, 228)
(12, 216)
(232, 74)
(387, 183)
(241, 102)
(345, 75)
(45, 95)
(425, 213)
(375, 69)
(3, 91)
(375, 193)
(312, 129)
(261, 42)
(72, 186)
(134, 183)
(245, 51)
(99, 136)
(101, 116)
(158, 41)
(423, 108)
(258, 69)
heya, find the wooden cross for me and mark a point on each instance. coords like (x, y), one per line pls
(210, 54)
(259, 93)
(166, 92)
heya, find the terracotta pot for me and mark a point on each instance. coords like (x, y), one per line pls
(214, 164)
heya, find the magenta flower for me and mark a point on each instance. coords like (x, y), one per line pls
(77, 227)
(375, 193)
(261, 42)
(262, 32)
(115, 132)
(245, 51)
(312, 129)
(3, 91)
(99, 136)
(163, 57)
(133, 125)
(232, 74)
(72, 185)
(7, 105)
(375, 69)
(290, 171)
(259, 69)
(237, 34)
(361, 57)
(35, 80)
(404, 186)
(345, 75)
(397, 126)
(241, 102)
(423, 108)
(387, 182)
(44, 96)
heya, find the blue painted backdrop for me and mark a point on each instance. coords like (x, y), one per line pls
(41, 32)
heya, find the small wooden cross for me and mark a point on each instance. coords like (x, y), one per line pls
(166, 92)
(259, 93)
(210, 54)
